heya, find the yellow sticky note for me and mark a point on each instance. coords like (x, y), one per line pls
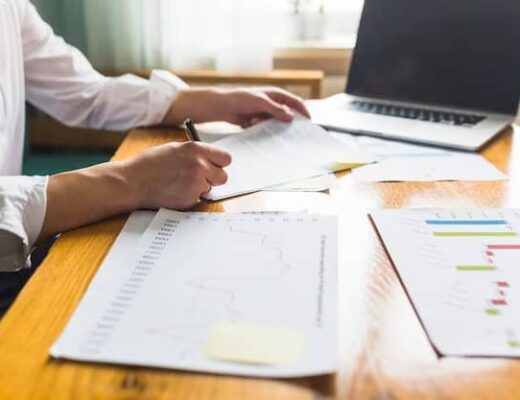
(343, 166)
(254, 344)
(352, 160)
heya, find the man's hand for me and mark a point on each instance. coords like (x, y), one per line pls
(173, 175)
(176, 175)
(244, 107)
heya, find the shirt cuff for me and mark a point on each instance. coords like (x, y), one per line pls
(164, 86)
(34, 213)
(22, 211)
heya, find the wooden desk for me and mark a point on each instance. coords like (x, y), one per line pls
(384, 353)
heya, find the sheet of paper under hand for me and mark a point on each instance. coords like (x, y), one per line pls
(274, 152)
(316, 184)
(210, 132)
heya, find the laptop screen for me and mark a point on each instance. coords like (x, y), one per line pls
(458, 53)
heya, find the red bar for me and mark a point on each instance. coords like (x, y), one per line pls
(504, 247)
(490, 253)
(499, 302)
(502, 284)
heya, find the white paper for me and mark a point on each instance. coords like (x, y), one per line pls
(210, 132)
(460, 167)
(398, 161)
(197, 271)
(460, 268)
(274, 152)
(316, 184)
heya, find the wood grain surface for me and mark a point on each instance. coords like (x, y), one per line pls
(384, 352)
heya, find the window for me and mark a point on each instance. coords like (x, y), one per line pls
(323, 23)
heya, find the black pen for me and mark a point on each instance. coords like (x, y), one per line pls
(191, 131)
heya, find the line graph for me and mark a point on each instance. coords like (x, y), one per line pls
(260, 255)
(211, 282)
(195, 271)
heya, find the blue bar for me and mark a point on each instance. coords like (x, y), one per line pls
(466, 222)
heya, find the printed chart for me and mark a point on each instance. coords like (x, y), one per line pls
(461, 270)
(205, 291)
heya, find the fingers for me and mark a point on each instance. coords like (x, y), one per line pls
(247, 122)
(276, 110)
(290, 100)
(257, 120)
(216, 176)
(206, 165)
(206, 192)
(218, 157)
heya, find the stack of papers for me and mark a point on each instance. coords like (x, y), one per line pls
(301, 155)
(246, 294)
(274, 152)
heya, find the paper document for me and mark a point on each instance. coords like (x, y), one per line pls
(459, 167)
(316, 184)
(274, 152)
(460, 268)
(210, 132)
(399, 161)
(245, 294)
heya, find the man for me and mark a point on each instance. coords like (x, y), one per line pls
(38, 66)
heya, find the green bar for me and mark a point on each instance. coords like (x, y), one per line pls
(514, 343)
(476, 268)
(461, 234)
(492, 311)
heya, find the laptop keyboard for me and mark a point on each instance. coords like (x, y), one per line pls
(421, 114)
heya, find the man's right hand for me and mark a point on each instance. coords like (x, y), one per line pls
(173, 175)
(176, 175)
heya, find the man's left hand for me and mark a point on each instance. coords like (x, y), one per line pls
(244, 107)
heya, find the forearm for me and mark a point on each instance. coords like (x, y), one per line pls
(88, 195)
(240, 107)
(200, 104)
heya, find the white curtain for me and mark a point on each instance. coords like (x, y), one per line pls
(179, 34)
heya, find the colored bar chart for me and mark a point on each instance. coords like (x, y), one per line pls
(470, 222)
(473, 234)
(504, 247)
(461, 268)
(499, 300)
(470, 228)
(475, 268)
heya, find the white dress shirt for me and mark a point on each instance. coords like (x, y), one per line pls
(37, 66)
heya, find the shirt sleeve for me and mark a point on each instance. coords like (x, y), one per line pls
(23, 202)
(62, 82)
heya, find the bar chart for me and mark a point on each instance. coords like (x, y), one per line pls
(461, 269)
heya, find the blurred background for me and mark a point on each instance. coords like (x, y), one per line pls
(302, 45)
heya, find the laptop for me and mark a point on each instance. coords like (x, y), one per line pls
(442, 72)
